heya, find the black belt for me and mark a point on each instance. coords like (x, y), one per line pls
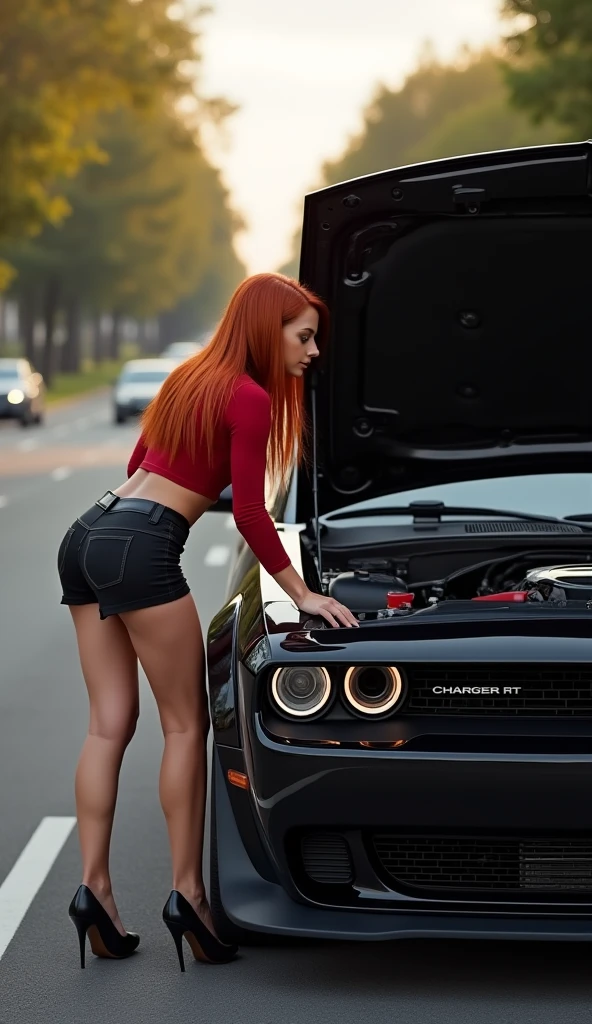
(111, 502)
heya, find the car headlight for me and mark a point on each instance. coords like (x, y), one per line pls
(302, 691)
(372, 689)
(16, 396)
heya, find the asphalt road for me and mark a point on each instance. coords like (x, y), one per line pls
(48, 475)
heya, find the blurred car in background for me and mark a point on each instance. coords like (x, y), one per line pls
(22, 392)
(184, 349)
(137, 384)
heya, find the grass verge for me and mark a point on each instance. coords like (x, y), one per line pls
(91, 377)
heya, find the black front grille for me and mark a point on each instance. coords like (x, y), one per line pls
(326, 858)
(544, 690)
(481, 863)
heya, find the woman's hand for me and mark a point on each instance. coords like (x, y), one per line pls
(314, 604)
(336, 614)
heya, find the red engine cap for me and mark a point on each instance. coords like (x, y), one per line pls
(507, 596)
(394, 599)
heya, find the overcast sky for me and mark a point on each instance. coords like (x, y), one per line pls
(302, 73)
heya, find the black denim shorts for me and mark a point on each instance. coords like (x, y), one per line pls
(123, 553)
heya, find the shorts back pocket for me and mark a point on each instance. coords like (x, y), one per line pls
(104, 558)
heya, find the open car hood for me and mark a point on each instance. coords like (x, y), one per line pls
(461, 326)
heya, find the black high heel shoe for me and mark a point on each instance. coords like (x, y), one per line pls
(89, 916)
(181, 920)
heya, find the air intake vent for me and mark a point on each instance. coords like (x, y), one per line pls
(487, 863)
(326, 859)
(519, 526)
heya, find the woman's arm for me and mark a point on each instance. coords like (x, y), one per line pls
(137, 457)
(314, 604)
(249, 419)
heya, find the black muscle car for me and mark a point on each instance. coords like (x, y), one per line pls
(428, 774)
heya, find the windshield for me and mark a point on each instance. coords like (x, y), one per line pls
(8, 373)
(549, 494)
(143, 376)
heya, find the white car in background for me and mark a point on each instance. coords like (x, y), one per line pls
(181, 350)
(137, 384)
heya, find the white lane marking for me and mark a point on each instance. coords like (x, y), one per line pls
(3, 501)
(230, 523)
(23, 882)
(217, 555)
(28, 444)
(60, 473)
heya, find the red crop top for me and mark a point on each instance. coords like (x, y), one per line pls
(240, 458)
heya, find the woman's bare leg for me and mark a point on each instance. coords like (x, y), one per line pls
(168, 642)
(110, 668)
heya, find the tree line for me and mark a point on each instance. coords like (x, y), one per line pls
(108, 203)
(535, 88)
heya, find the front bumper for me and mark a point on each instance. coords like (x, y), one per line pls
(133, 407)
(354, 794)
(259, 905)
(13, 412)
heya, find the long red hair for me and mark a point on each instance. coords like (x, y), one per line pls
(248, 339)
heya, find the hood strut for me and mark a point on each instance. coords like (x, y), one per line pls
(314, 377)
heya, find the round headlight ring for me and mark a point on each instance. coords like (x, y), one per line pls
(281, 698)
(355, 697)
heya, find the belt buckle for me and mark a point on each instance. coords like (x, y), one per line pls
(107, 500)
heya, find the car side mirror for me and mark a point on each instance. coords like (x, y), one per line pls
(224, 503)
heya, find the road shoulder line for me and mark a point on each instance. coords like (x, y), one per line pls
(28, 874)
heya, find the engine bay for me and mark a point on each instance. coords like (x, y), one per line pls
(376, 588)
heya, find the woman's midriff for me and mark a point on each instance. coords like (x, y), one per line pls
(153, 487)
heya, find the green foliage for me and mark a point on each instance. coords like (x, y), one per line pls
(481, 127)
(396, 121)
(61, 60)
(146, 228)
(549, 69)
(107, 201)
(198, 312)
(441, 110)
(69, 385)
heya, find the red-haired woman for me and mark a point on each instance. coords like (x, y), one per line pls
(219, 418)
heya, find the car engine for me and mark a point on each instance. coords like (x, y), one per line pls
(374, 592)
(559, 583)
